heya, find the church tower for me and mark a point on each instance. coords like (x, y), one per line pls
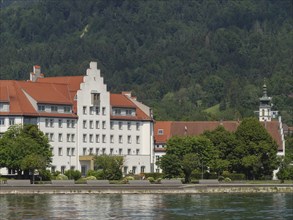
(265, 113)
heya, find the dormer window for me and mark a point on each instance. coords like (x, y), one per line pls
(54, 108)
(41, 108)
(160, 132)
(67, 109)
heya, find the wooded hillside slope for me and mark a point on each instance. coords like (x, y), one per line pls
(188, 60)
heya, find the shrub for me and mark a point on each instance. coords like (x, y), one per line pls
(234, 176)
(227, 179)
(154, 175)
(151, 179)
(158, 181)
(194, 181)
(45, 175)
(61, 177)
(221, 178)
(129, 178)
(73, 174)
(90, 178)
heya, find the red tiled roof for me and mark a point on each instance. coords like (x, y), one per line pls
(4, 97)
(55, 90)
(181, 128)
(122, 101)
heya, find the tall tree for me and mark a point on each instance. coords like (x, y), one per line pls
(257, 149)
(24, 148)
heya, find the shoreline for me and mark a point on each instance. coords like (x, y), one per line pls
(147, 189)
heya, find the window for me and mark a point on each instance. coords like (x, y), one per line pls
(111, 151)
(60, 122)
(51, 138)
(97, 110)
(103, 150)
(11, 121)
(137, 126)
(104, 124)
(63, 169)
(120, 125)
(51, 123)
(72, 137)
(60, 153)
(129, 139)
(72, 151)
(91, 151)
(68, 123)
(111, 125)
(138, 139)
(54, 108)
(53, 169)
(47, 122)
(142, 168)
(97, 138)
(112, 138)
(52, 150)
(72, 123)
(2, 121)
(104, 138)
(97, 124)
(41, 108)
(84, 138)
(125, 170)
(128, 151)
(117, 111)
(97, 151)
(84, 110)
(60, 139)
(120, 151)
(91, 138)
(66, 109)
(160, 131)
(120, 139)
(91, 124)
(95, 98)
(104, 111)
(91, 110)
(84, 151)
(84, 124)
(137, 151)
(128, 112)
(133, 169)
(68, 151)
(129, 125)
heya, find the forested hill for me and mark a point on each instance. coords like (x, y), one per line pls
(188, 60)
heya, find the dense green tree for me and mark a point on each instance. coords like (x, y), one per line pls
(24, 148)
(188, 153)
(257, 150)
(110, 166)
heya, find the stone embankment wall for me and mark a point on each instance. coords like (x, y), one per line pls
(151, 189)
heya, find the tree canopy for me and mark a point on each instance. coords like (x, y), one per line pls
(189, 60)
(24, 148)
(250, 151)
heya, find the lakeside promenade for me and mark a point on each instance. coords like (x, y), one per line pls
(145, 189)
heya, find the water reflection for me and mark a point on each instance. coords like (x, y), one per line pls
(147, 206)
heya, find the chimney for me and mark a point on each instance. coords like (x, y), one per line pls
(36, 73)
(128, 94)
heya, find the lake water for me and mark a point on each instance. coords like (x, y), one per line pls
(147, 206)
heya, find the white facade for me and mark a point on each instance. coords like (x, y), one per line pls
(93, 130)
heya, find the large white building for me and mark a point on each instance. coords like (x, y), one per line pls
(81, 119)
